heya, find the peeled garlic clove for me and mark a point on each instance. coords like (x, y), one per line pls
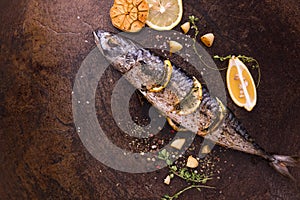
(208, 39)
(167, 180)
(175, 46)
(205, 149)
(185, 27)
(192, 162)
(178, 143)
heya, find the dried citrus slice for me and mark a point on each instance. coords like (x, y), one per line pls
(240, 84)
(164, 14)
(129, 15)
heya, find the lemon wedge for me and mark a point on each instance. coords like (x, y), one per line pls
(164, 14)
(240, 84)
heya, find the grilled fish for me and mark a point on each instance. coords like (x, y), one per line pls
(182, 99)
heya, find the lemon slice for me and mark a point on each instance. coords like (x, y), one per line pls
(240, 84)
(192, 100)
(164, 14)
(166, 79)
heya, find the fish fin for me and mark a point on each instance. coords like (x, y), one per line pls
(280, 164)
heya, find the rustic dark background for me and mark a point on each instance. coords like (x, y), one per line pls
(42, 45)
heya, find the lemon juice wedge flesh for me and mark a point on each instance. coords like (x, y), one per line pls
(240, 84)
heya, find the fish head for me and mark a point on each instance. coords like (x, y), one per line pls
(115, 49)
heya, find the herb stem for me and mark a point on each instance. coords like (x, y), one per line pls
(204, 180)
(175, 196)
(193, 21)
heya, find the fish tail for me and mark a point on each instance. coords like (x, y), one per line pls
(280, 164)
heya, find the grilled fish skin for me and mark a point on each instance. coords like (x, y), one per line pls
(211, 119)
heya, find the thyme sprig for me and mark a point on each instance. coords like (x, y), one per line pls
(197, 180)
(246, 59)
(193, 20)
(175, 196)
(185, 174)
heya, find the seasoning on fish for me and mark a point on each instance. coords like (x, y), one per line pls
(219, 118)
(142, 68)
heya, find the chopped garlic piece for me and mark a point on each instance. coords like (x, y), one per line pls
(175, 46)
(208, 39)
(192, 162)
(167, 180)
(185, 27)
(205, 149)
(178, 143)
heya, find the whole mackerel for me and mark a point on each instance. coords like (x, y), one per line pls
(211, 119)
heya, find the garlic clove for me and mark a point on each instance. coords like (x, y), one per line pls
(208, 39)
(192, 162)
(175, 46)
(178, 143)
(185, 27)
(167, 180)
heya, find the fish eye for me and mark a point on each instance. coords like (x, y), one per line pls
(112, 42)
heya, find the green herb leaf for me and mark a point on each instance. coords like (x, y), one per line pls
(171, 176)
(174, 168)
(169, 162)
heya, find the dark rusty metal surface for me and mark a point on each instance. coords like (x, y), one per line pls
(42, 45)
